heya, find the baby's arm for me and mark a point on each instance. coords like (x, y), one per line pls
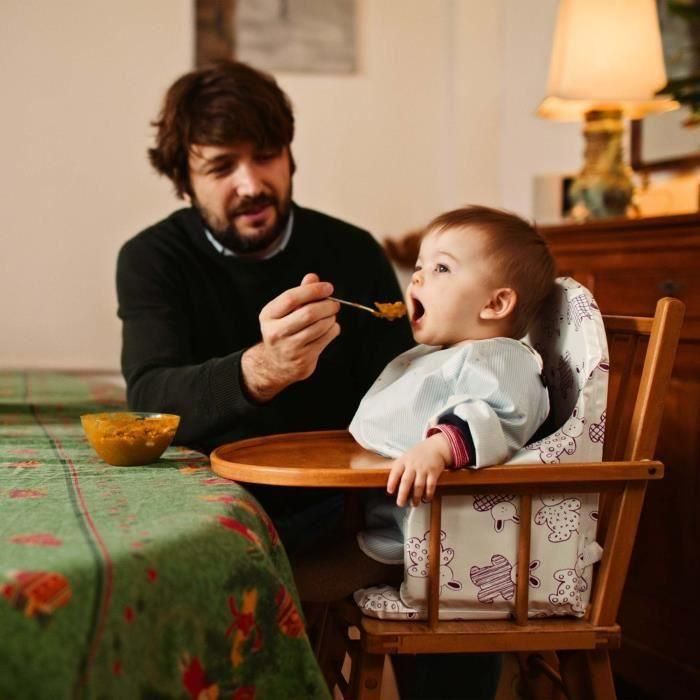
(419, 469)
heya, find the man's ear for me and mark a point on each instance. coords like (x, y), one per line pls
(500, 305)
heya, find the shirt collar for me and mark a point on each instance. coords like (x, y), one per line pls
(279, 246)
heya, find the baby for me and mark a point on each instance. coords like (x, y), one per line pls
(470, 394)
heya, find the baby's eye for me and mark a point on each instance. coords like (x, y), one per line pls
(417, 268)
(441, 268)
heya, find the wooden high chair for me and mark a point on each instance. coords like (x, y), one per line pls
(581, 645)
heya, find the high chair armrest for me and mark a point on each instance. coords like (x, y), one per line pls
(575, 475)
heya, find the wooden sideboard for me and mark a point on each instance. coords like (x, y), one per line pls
(628, 265)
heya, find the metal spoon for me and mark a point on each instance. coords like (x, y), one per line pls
(374, 312)
(389, 311)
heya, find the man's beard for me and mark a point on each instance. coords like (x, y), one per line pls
(247, 244)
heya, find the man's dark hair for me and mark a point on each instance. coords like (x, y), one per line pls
(520, 256)
(221, 104)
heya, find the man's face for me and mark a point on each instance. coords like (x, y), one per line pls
(243, 194)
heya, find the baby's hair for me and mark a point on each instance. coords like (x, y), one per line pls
(522, 259)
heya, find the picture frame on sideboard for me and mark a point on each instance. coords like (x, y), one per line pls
(671, 141)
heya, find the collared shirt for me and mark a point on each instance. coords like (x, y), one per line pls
(279, 245)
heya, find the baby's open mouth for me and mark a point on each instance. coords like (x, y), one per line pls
(418, 311)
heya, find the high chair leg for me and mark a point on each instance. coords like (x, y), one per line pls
(511, 680)
(587, 675)
(573, 675)
(598, 663)
(542, 672)
(530, 676)
(366, 676)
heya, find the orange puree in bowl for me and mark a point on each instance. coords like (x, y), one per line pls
(129, 439)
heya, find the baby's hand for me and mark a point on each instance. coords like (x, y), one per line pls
(419, 469)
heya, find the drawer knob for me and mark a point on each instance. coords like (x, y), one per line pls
(670, 287)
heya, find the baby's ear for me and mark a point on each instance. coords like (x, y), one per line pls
(500, 305)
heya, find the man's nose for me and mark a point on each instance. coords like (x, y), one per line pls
(246, 180)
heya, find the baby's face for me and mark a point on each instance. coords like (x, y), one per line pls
(451, 284)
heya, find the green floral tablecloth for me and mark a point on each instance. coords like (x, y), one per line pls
(163, 581)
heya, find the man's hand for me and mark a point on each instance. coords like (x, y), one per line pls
(419, 469)
(296, 328)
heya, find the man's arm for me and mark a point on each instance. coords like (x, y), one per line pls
(221, 392)
(157, 357)
(296, 328)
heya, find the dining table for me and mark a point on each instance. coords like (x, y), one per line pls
(158, 581)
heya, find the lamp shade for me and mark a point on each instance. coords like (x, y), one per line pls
(607, 54)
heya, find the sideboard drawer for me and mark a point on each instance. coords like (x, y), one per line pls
(635, 292)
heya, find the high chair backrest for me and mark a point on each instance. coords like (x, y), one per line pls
(630, 348)
(570, 336)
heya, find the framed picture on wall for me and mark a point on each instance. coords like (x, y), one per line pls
(298, 36)
(672, 140)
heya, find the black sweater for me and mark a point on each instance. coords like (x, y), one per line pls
(189, 312)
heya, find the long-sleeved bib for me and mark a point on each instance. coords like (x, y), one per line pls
(494, 385)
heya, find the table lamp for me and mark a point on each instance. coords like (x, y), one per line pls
(606, 65)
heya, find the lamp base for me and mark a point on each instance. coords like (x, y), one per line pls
(604, 186)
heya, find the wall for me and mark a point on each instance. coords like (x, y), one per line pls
(440, 113)
(80, 82)
(82, 79)
(529, 145)
(414, 132)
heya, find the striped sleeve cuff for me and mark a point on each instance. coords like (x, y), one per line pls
(458, 445)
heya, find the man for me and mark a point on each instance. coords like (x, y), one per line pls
(225, 309)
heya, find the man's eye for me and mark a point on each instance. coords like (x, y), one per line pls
(441, 268)
(266, 156)
(219, 170)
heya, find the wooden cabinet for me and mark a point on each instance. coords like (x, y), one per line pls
(628, 265)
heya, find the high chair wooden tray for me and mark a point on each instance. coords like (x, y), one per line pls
(332, 458)
(323, 459)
